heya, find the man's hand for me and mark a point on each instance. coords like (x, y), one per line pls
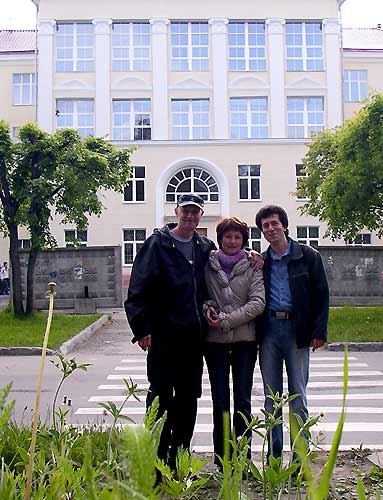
(256, 260)
(212, 317)
(316, 344)
(145, 343)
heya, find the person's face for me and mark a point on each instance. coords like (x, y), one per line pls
(232, 242)
(273, 230)
(188, 217)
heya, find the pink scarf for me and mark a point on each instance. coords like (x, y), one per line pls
(229, 261)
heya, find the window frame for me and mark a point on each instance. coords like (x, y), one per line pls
(299, 166)
(201, 175)
(307, 240)
(134, 242)
(135, 180)
(75, 47)
(190, 127)
(249, 178)
(190, 59)
(127, 64)
(362, 242)
(348, 82)
(252, 240)
(249, 114)
(132, 113)
(19, 89)
(247, 48)
(305, 113)
(76, 115)
(305, 47)
(80, 242)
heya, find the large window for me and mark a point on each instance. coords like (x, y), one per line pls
(192, 181)
(249, 178)
(354, 85)
(305, 116)
(78, 114)
(76, 237)
(131, 47)
(248, 118)
(255, 238)
(135, 189)
(131, 120)
(23, 88)
(133, 241)
(190, 119)
(304, 46)
(190, 46)
(247, 50)
(74, 47)
(309, 235)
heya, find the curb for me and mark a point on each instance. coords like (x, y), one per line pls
(356, 346)
(65, 348)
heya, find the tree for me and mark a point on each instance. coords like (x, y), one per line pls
(344, 166)
(52, 174)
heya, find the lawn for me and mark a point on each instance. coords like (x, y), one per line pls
(29, 332)
(356, 324)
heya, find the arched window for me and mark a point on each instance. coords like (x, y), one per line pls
(194, 181)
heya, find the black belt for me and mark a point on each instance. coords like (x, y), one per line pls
(281, 314)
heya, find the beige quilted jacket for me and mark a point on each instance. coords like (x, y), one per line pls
(239, 298)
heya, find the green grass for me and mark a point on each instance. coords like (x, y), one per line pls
(29, 332)
(356, 324)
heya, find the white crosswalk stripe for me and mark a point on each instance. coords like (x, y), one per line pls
(364, 413)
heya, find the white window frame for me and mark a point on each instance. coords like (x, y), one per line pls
(304, 47)
(260, 62)
(249, 177)
(190, 58)
(305, 113)
(24, 243)
(255, 238)
(194, 131)
(75, 48)
(24, 92)
(308, 240)
(209, 195)
(131, 127)
(300, 175)
(362, 242)
(79, 242)
(133, 181)
(131, 62)
(76, 116)
(249, 115)
(136, 243)
(359, 82)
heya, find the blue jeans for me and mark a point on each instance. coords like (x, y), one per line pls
(241, 357)
(278, 346)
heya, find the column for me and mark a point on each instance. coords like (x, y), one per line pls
(276, 63)
(45, 71)
(333, 66)
(103, 103)
(218, 62)
(160, 105)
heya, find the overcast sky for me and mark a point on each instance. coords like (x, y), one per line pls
(19, 14)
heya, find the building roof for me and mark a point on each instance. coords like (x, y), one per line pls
(363, 38)
(14, 41)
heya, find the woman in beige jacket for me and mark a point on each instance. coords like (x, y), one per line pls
(237, 296)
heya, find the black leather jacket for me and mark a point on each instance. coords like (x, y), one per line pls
(166, 293)
(309, 293)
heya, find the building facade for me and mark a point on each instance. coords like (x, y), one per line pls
(218, 98)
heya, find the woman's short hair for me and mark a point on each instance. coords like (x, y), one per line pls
(232, 224)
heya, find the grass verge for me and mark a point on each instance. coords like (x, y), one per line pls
(356, 324)
(29, 332)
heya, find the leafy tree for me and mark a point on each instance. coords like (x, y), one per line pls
(344, 166)
(52, 174)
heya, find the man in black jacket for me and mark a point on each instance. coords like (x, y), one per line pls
(164, 308)
(296, 315)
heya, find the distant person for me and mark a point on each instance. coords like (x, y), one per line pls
(237, 296)
(4, 279)
(296, 315)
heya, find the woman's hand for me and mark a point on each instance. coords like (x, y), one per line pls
(212, 317)
(256, 260)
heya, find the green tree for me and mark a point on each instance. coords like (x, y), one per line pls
(52, 174)
(344, 166)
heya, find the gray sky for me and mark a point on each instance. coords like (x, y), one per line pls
(20, 14)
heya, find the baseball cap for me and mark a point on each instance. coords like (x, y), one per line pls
(190, 199)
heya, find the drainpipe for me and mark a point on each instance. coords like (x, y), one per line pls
(36, 4)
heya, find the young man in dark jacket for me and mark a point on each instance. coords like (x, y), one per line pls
(165, 298)
(296, 315)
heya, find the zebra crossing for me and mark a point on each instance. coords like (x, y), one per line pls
(364, 414)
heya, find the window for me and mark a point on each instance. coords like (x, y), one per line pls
(248, 118)
(361, 239)
(131, 47)
(133, 241)
(25, 244)
(131, 120)
(190, 119)
(305, 116)
(354, 85)
(74, 47)
(300, 175)
(78, 114)
(309, 235)
(189, 46)
(135, 189)
(255, 239)
(76, 237)
(249, 178)
(247, 47)
(304, 46)
(23, 88)
(192, 180)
